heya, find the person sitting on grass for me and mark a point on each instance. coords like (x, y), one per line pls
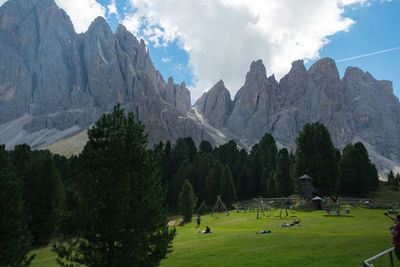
(207, 231)
(395, 230)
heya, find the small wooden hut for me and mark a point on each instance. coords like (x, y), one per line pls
(317, 203)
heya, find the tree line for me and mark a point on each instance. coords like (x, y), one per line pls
(109, 204)
(234, 174)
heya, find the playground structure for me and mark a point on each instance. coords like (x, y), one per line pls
(348, 203)
(333, 206)
(306, 188)
(263, 205)
(219, 207)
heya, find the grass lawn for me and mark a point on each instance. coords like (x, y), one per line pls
(44, 257)
(319, 241)
(385, 192)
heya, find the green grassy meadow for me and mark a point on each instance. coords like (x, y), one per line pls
(385, 192)
(319, 241)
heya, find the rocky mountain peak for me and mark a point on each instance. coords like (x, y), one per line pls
(40, 15)
(170, 80)
(176, 95)
(272, 80)
(354, 74)
(297, 72)
(219, 86)
(298, 66)
(257, 71)
(100, 27)
(323, 69)
(216, 104)
(295, 82)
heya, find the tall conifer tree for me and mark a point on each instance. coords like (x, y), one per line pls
(187, 201)
(121, 213)
(227, 187)
(15, 238)
(316, 157)
(282, 175)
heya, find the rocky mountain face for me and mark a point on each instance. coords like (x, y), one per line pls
(354, 108)
(55, 82)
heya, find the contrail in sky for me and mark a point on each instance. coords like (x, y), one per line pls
(369, 54)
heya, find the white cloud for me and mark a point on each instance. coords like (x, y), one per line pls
(132, 23)
(166, 59)
(222, 37)
(82, 12)
(112, 9)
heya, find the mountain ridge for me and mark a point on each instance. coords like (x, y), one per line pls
(61, 82)
(354, 108)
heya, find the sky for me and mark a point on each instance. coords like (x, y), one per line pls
(200, 42)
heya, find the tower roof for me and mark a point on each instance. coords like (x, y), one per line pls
(305, 176)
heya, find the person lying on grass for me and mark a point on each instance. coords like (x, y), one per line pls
(395, 233)
(207, 231)
(264, 232)
(294, 223)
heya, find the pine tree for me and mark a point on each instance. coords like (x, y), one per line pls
(205, 147)
(358, 175)
(201, 166)
(374, 177)
(15, 238)
(263, 162)
(212, 182)
(271, 185)
(257, 166)
(202, 208)
(43, 192)
(349, 170)
(390, 177)
(396, 182)
(227, 188)
(282, 175)
(175, 184)
(121, 214)
(192, 147)
(316, 156)
(187, 201)
(365, 167)
(242, 183)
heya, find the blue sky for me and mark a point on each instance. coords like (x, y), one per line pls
(201, 42)
(377, 28)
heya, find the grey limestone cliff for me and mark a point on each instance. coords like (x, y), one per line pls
(55, 82)
(216, 104)
(354, 108)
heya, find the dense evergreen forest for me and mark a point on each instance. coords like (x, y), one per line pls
(51, 195)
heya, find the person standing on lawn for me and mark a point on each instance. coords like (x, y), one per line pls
(395, 230)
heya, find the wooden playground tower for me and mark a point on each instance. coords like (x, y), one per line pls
(305, 187)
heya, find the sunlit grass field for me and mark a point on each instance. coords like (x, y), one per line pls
(319, 241)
